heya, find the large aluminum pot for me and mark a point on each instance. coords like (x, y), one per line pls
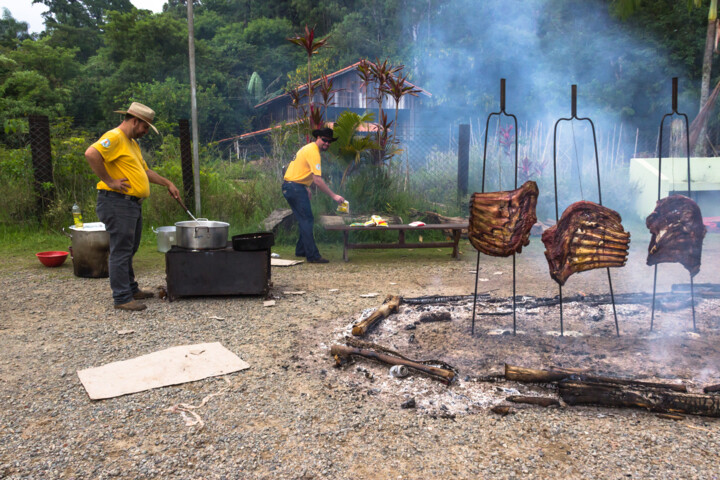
(201, 234)
(90, 250)
(165, 238)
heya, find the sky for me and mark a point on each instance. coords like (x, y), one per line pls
(26, 11)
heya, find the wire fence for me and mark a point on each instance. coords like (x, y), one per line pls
(427, 161)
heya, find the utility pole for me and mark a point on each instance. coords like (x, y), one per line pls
(193, 107)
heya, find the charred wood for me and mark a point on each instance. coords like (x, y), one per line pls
(529, 375)
(502, 410)
(655, 400)
(340, 351)
(586, 237)
(391, 305)
(541, 401)
(677, 231)
(500, 222)
(712, 389)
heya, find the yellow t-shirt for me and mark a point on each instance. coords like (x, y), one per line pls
(307, 162)
(123, 159)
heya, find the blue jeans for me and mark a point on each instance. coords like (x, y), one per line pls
(297, 196)
(123, 221)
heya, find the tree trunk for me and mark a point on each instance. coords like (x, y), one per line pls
(700, 147)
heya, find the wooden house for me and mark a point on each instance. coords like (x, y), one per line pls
(350, 94)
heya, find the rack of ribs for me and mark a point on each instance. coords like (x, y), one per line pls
(677, 232)
(500, 222)
(586, 237)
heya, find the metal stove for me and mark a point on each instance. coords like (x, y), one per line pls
(223, 271)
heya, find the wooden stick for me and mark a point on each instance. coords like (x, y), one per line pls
(391, 305)
(520, 374)
(342, 351)
(541, 401)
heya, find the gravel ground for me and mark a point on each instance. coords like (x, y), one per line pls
(292, 415)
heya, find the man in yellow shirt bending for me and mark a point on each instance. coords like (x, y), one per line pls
(302, 172)
(124, 183)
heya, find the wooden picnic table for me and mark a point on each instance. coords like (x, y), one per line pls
(455, 228)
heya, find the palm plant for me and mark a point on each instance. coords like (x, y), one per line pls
(349, 146)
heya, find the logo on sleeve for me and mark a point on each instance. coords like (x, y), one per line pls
(105, 143)
(317, 167)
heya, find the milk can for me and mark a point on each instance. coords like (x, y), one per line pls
(89, 250)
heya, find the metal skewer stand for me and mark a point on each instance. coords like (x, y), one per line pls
(477, 266)
(557, 216)
(660, 146)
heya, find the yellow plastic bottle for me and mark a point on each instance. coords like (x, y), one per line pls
(77, 216)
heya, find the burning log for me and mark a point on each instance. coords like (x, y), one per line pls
(655, 400)
(677, 232)
(541, 401)
(340, 351)
(391, 305)
(586, 237)
(529, 375)
(500, 222)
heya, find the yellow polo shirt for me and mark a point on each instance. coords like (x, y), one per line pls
(305, 165)
(123, 159)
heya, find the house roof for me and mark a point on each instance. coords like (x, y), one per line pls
(330, 76)
(363, 128)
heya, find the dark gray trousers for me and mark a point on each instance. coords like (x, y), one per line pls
(123, 221)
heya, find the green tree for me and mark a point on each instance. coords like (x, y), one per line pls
(626, 8)
(12, 31)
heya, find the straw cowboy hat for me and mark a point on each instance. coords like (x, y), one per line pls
(138, 110)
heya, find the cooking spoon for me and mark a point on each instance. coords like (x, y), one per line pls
(185, 208)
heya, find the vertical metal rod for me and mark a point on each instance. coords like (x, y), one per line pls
(514, 305)
(692, 299)
(652, 312)
(574, 101)
(557, 215)
(612, 296)
(597, 170)
(562, 331)
(675, 94)
(502, 95)
(477, 272)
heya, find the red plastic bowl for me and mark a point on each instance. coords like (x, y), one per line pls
(52, 259)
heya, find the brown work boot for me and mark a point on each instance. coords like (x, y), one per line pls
(132, 305)
(143, 294)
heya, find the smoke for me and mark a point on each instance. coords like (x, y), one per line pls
(542, 48)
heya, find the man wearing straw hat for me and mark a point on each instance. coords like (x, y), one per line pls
(124, 183)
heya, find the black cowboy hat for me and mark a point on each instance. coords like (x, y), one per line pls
(326, 132)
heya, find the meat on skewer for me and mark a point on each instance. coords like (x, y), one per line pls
(586, 237)
(500, 222)
(677, 232)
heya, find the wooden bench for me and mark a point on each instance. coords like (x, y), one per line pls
(456, 229)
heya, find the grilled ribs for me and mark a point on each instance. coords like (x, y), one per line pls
(500, 222)
(588, 236)
(677, 232)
